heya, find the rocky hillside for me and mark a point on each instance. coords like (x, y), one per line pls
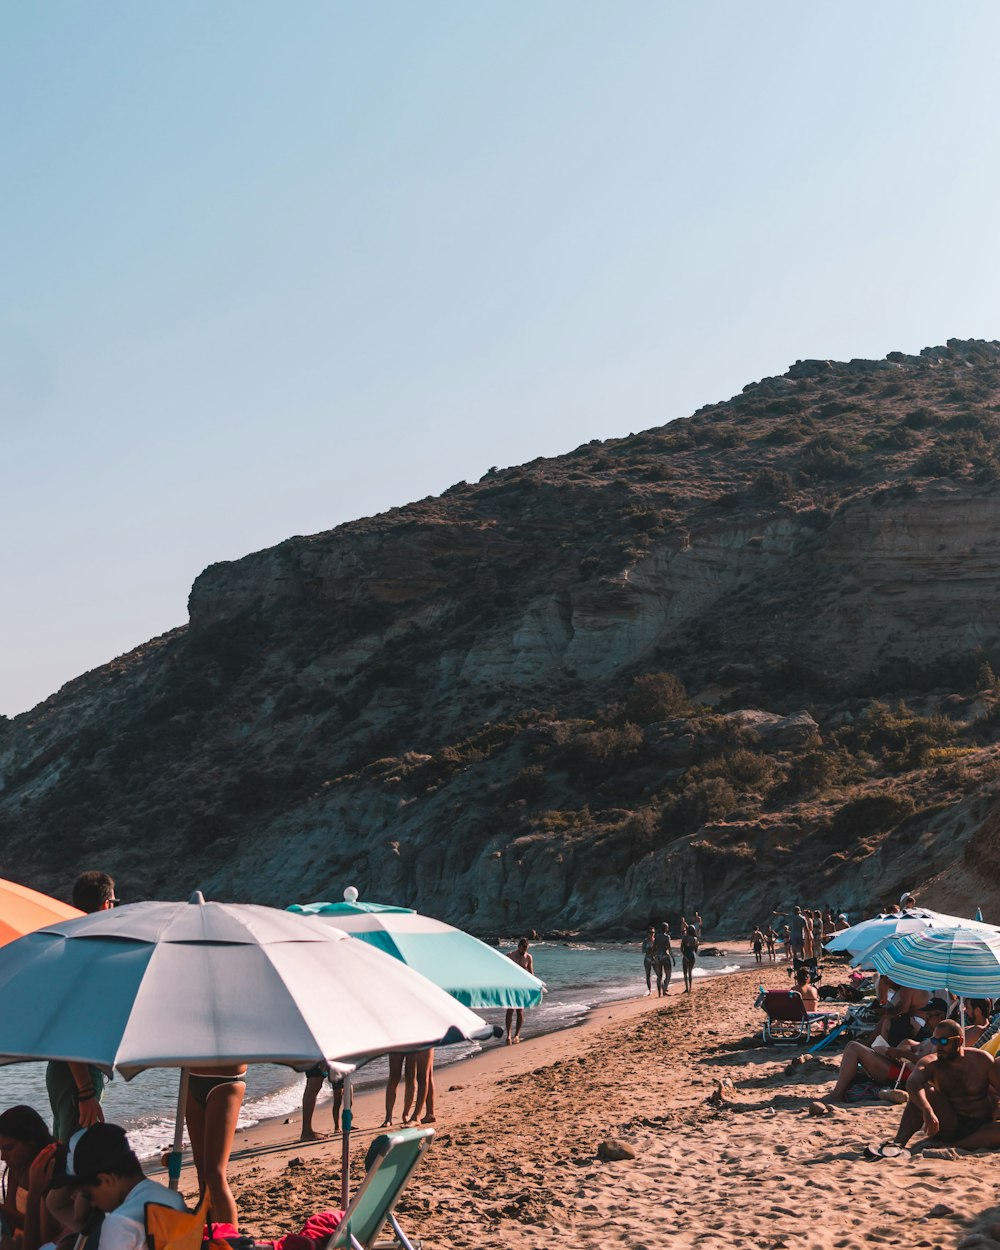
(736, 660)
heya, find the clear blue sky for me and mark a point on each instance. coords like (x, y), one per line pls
(269, 267)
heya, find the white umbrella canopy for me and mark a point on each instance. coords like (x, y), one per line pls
(864, 935)
(180, 984)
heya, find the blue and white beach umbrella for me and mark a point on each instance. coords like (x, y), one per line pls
(864, 935)
(469, 970)
(964, 961)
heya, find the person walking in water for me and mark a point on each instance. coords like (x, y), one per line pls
(664, 960)
(649, 957)
(515, 1015)
(689, 953)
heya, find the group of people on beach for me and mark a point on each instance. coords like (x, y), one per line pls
(658, 956)
(802, 937)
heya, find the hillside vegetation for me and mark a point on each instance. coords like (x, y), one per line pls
(741, 658)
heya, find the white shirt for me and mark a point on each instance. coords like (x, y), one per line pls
(124, 1228)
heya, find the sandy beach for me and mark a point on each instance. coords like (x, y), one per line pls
(515, 1161)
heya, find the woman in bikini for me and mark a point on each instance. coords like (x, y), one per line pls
(689, 953)
(215, 1095)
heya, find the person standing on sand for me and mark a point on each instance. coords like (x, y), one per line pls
(649, 957)
(769, 936)
(798, 932)
(808, 951)
(697, 925)
(404, 1065)
(665, 961)
(515, 1015)
(425, 1087)
(75, 1089)
(315, 1077)
(689, 953)
(757, 943)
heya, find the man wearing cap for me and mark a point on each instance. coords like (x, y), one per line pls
(75, 1089)
(102, 1166)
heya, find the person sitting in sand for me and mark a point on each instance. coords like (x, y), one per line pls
(903, 1006)
(664, 960)
(649, 957)
(103, 1167)
(953, 1093)
(886, 1064)
(515, 1015)
(689, 953)
(26, 1145)
(808, 991)
(315, 1077)
(977, 1019)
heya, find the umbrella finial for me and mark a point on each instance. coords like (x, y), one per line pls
(197, 897)
(351, 894)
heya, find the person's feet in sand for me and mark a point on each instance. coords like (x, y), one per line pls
(387, 1124)
(313, 1136)
(429, 1119)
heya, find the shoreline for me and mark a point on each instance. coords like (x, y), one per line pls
(720, 1149)
(472, 1078)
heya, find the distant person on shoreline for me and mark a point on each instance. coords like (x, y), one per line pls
(798, 928)
(400, 1065)
(315, 1077)
(769, 936)
(697, 925)
(665, 961)
(757, 943)
(515, 1016)
(649, 957)
(689, 953)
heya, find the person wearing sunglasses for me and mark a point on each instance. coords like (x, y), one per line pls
(75, 1089)
(953, 1092)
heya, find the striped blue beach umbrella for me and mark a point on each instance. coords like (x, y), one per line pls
(964, 961)
(469, 970)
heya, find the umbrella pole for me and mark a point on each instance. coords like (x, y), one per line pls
(174, 1165)
(345, 1154)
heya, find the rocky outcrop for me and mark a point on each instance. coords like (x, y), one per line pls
(434, 703)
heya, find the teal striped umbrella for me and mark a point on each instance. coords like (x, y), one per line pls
(964, 961)
(476, 974)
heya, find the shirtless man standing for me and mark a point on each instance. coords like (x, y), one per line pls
(523, 960)
(954, 1094)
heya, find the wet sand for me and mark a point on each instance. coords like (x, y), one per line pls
(515, 1160)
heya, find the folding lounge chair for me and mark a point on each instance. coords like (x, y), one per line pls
(787, 1019)
(372, 1206)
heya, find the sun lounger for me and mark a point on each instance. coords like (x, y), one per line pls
(395, 1157)
(787, 1020)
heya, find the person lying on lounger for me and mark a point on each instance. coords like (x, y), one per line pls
(886, 1064)
(953, 1093)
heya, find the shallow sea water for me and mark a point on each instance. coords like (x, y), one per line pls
(579, 978)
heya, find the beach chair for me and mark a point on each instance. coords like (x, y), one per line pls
(391, 1162)
(787, 1020)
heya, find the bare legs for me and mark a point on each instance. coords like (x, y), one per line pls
(398, 1065)
(687, 967)
(425, 1088)
(857, 1058)
(212, 1128)
(309, 1095)
(515, 1017)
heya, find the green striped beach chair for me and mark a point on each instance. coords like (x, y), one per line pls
(371, 1208)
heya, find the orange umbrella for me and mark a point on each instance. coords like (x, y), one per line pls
(23, 911)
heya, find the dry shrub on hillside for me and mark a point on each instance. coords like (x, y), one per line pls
(655, 697)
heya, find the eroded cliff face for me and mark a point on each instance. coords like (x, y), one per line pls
(820, 540)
